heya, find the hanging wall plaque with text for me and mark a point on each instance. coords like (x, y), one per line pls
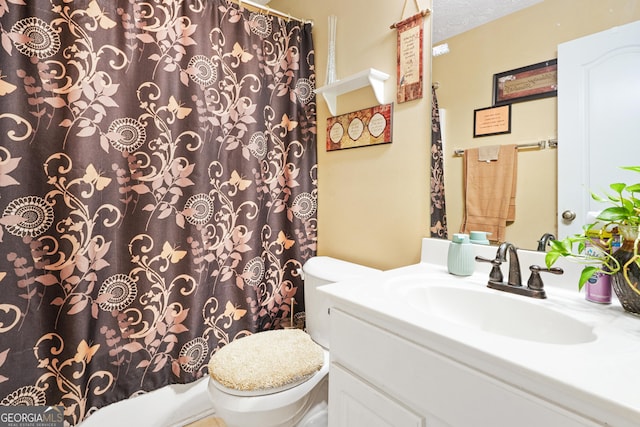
(410, 41)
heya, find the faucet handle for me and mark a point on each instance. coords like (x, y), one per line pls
(496, 273)
(535, 281)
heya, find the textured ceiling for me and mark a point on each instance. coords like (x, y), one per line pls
(452, 17)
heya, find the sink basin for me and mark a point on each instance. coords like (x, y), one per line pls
(502, 314)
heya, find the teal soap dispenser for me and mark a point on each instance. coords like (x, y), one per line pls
(461, 257)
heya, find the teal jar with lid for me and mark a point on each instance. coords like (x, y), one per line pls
(461, 256)
(479, 237)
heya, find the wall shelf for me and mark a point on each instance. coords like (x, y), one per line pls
(371, 77)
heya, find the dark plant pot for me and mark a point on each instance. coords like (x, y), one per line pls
(626, 282)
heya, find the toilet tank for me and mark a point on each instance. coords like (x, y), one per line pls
(318, 271)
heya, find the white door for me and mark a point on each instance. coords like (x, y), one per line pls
(598, 119)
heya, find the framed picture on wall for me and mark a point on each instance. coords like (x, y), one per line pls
(363, 128)
(492, 121)
(526, 83)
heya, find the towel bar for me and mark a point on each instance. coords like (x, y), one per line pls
(551, 143)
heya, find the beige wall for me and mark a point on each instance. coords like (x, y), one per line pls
(374, 201)
(465, 83)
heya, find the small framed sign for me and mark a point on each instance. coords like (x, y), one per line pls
(524, 84)
(492, 121)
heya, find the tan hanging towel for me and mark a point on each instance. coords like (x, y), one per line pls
(490, 191)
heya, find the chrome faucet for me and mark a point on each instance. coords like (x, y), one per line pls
(534, 288)
(544, 241)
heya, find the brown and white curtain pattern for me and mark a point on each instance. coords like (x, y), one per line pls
(438, 226)
(157, 191)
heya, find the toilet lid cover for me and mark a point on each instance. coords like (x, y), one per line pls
(266, 362)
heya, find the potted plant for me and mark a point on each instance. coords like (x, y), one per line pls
(593, 246)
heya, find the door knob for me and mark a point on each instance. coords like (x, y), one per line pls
(568, 215)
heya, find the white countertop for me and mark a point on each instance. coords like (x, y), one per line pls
(598, 379)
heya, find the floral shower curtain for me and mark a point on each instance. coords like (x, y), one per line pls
(157, 191)
(438, 226)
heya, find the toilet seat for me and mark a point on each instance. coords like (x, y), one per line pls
(266, 363)
(271, 401)
(260, 392)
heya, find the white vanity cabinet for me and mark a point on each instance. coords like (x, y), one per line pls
(358, 404)
(380, 378)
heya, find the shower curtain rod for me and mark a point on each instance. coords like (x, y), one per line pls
(271, 11)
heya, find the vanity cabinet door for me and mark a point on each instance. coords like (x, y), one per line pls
(440, 389)
(357, 404)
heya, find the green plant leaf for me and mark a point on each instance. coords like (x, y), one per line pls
(598, 198)
(559, 246)
(551, 257)
(618, 187)
(631, 168)
(634, 188)
(614, 213)
(613, 199)
(581, 246)
(586, 274)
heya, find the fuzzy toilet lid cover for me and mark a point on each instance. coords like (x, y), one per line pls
(266, 360)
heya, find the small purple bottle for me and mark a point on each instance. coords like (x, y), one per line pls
(598, 288)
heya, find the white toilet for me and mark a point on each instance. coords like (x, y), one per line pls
(302, 403)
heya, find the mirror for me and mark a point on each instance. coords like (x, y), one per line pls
(464, 78)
